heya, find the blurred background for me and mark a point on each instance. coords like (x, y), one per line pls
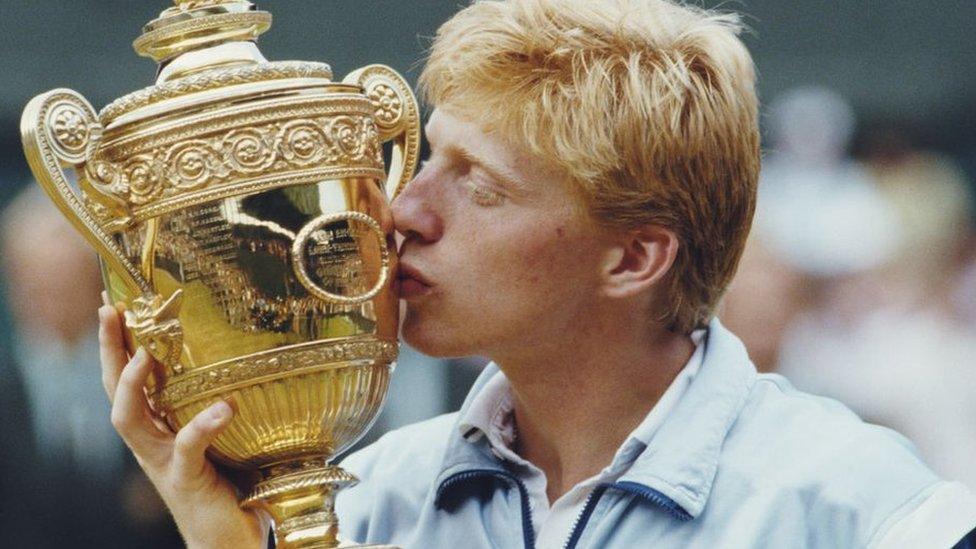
(859, 281)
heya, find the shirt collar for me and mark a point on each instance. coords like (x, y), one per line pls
(655, 418)
(681, 458)
(490, 417)
(491, 414)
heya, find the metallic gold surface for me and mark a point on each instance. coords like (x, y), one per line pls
(238, 207)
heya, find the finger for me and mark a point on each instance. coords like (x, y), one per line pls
(111, 347)
(193, 439)
(130, 412)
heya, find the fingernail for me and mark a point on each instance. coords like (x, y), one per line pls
(220, 411)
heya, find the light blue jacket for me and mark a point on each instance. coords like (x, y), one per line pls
(743, 460)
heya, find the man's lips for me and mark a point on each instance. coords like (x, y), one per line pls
(412, 282)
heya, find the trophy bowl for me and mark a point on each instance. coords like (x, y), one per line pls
(239, 209)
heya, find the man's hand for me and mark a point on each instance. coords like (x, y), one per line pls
(203, 503)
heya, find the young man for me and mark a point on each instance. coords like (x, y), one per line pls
(590, 188)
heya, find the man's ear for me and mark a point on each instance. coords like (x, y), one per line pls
(641, 259)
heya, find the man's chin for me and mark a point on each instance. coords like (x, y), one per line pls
(432, 338)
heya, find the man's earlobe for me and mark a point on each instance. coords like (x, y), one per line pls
(642, 258)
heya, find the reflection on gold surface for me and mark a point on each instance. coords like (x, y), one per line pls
(233, 261)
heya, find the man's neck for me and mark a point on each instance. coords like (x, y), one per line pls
(578, 399)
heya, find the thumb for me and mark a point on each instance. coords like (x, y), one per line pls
(191, 442)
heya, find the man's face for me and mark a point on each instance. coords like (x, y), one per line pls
(497, 257)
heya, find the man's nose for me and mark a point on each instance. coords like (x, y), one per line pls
(414, 210)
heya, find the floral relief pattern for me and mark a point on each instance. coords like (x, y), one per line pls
(372, 142)
(143, 175)
(70, 129)
(347, 131)
(303, 142)
(248, 151)
(107, 178)
(192, 164)
(387, 103)
(168, 171)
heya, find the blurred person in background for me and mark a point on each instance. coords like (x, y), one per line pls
(872, 315)
(933, 201)
(68, 473)
(19, 524)
(821, 226)
(963, 299)
(911, 354)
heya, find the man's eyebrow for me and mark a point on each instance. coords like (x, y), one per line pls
(494, 169)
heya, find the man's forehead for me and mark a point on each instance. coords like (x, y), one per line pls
(447, 129)
(445, 124)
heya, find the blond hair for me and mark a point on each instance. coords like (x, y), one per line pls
(647, 105)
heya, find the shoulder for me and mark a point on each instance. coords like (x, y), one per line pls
(814, 455)
(416, 447)
(396, 476)
(818, 439)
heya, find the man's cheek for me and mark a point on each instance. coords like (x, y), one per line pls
(539, 262)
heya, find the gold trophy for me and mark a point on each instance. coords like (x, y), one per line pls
(240, 213)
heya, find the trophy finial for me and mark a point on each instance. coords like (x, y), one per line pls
(193, 4)
(194, 24)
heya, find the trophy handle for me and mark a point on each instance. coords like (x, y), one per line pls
(60, 129)
(397, 118)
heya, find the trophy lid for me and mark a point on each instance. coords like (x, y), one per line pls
(207, 51)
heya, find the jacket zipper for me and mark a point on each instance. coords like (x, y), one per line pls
(634, 488)
(654, 497)
(528, 534)
(584, 515)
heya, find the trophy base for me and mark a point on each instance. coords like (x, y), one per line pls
(300, 498)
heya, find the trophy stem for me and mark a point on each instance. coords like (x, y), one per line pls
(300, 498)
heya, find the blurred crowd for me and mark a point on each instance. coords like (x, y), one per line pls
(66, 478)
(858, 283)
(859, 279)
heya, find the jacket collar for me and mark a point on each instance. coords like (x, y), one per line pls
(681, 460)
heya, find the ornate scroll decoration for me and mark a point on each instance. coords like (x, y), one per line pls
(397, 117)
(211, 80)
(345, 144)
(300, 258)
(155, 325)
(230, 374)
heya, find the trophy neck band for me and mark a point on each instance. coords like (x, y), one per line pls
(230, 54)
